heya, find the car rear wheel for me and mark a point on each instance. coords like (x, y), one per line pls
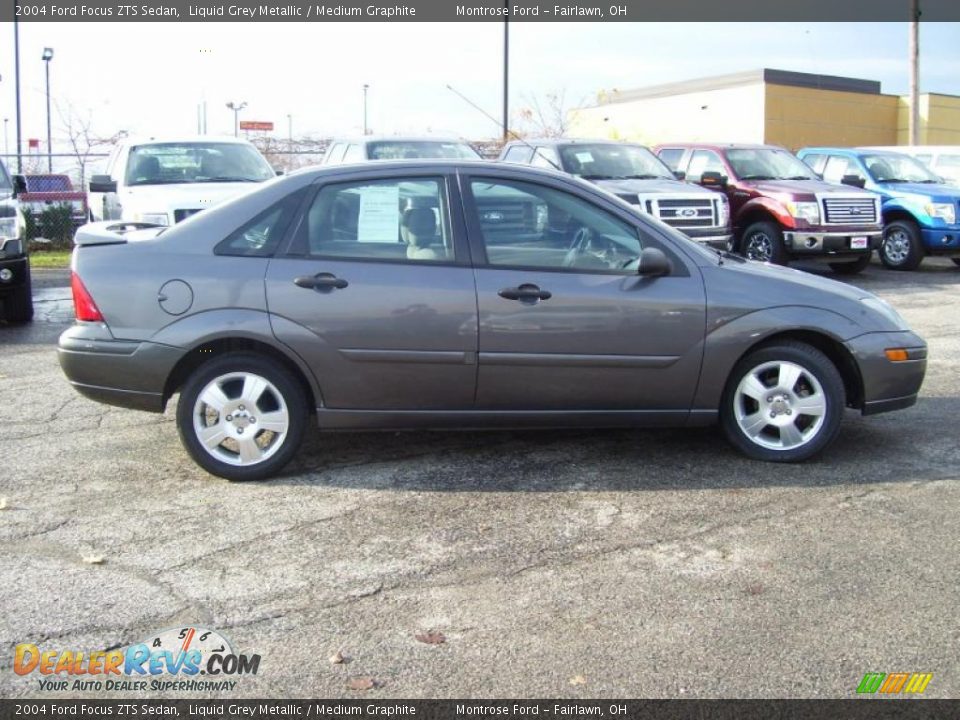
(783, 403)
(851, 268)
(242, 416)
(763, 241)
(901, 248)
(17, 305)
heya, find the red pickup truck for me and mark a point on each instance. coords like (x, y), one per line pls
(44, 191)
(782, 210)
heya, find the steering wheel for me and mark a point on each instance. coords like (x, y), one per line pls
(579, 244)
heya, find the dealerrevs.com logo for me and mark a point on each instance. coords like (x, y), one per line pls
(187, 659)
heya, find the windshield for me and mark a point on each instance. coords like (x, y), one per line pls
(199, 162)
(612, 162)
(897, 168)
(5, 183)
(420, 149)
(767, 164)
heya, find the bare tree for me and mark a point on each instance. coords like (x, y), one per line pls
(84, 143)
(290, 154)
(547, 115)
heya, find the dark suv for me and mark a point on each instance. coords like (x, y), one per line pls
(781, 209)
(16, 302)
(632, 173)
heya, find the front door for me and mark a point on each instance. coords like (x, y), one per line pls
(377, 296)
(566, 323)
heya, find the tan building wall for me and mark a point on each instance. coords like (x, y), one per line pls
(797, 117)
(731, 114)
(939, 120)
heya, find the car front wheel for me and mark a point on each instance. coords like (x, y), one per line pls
(783, 403)
(242, 416)
(17, 305)
(901, 248)
(763, 241)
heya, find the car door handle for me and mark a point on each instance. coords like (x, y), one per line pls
(320, 281)
(525, 293)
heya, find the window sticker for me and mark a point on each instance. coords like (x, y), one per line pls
(379, 214)
(584, 156)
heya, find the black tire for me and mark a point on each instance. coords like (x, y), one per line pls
(17, 305)
(286, 386)
(813, 363)
(852, 268)
(764, 241)
(901, 248)
(956, 261)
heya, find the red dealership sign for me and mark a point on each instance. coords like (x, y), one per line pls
(255, 125)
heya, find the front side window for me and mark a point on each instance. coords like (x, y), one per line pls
(893, 168)
(334, 154)
(837, 167)
(195, 162)
(420, 149)
(260, 236)
(672, 157)
(5, 182)
(534, 226)
(607, 161)
(702, 161)
(519, 154)
(354, 153)
(546, 157)
(767, 164)
(397, 219)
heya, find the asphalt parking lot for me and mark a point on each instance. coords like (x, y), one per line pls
(571, 564)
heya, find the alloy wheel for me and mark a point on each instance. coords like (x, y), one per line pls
(896, 246)
(759, 246)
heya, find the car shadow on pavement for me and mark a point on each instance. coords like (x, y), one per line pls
(908, 446)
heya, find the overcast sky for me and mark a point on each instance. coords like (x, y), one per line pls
(147, 78)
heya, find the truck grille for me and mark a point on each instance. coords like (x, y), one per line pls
(849, 211)
(689, 213)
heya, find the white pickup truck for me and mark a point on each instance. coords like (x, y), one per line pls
(164, 181)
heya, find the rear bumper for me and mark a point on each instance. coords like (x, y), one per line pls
(116, 372)
(803, 242)
(889, 385)
(19, 273)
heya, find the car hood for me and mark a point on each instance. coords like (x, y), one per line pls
(801, 187)
(933, 191)
(156, 198)
(655, 186)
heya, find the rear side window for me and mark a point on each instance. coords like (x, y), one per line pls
(354, 153)
(519, 154)
(334, 154)
(671, 156)
(261, 235)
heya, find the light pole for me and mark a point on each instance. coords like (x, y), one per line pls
(290, 128)
(236, 107)
(6, 138)
(913, 123)
(16, 61)
(47, 57)
(365, 129)
(506, 71)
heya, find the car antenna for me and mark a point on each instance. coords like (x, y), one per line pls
(499, 124)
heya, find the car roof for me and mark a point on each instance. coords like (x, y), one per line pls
(399, 138)
(720, 146)
(157, 140)
(910, 149)
(438, 164)
(572, 141)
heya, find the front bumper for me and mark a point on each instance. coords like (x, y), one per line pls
(20, 272)
(809, 242)
(129, 374)
(941, 241)
(889, 385)
(719, 238)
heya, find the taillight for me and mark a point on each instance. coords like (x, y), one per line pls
(84, 306)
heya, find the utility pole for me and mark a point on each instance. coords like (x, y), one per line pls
(365, 129)
(506, 71)
(914, 124)
(47, 57)
(16, 61)
(236, 107)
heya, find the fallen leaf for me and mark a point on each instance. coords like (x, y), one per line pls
(361, 683)
(432, 638)
(93, 559)
(337, 658)
(755, 589)
(578, 680)
(3, 504)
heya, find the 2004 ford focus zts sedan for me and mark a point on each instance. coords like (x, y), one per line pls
(464, 294)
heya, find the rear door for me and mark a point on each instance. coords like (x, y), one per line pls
(566, 323)
(376, 293)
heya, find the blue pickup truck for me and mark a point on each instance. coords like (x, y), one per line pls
(920, 213)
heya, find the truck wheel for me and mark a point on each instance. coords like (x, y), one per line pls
(18, 305)
(783, 403)
(956, 261)
(852, 268)
(901, 248)
(763, 241)
(242, 416)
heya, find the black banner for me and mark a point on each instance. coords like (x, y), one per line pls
(473, 11)
(854, 709)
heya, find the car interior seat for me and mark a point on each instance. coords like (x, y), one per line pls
(146, 169)
(418, 229)
(881, 170)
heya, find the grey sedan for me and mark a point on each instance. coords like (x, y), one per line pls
(465, 294)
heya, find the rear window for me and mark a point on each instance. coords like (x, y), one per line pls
(417, 150)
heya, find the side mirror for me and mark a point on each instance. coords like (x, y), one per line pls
(102, 184)
(653, 263)
(278, 171)
(679, 174)
(854, 180)
(713, 179)
(19, 185)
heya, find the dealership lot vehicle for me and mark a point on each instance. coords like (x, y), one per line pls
(166, 180)
(351, 150)
(424, 295)
(943, 160)
(636, 175)
(16, 300)
(46, 191)
(782, 211)
(920, 213)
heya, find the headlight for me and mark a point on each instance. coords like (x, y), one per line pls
(8, 228)
(887, 310)
(723, 211)
(945, 211)
(809, 211)
(155, 218)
